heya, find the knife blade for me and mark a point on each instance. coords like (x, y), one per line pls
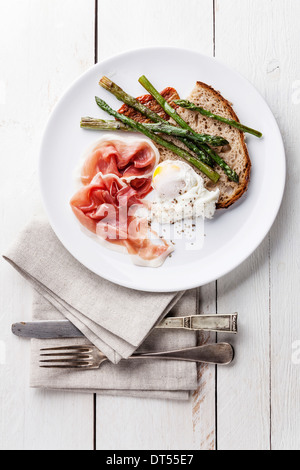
(65, 329)
(46, 330)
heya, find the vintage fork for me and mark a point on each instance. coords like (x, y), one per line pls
(89, 357)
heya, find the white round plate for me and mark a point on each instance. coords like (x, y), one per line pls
(231, 236)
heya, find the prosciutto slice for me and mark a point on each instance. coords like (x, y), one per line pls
(107, 207)
(132, 160)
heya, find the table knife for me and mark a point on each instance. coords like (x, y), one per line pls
(66, 329)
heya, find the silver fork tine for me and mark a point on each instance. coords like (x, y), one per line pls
(63, 361)
(67, 357)
(64, 367)
(81, 355)
(69, 348)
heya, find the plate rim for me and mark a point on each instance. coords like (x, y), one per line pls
(221, 272)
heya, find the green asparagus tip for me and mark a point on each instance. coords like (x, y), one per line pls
(188, 105)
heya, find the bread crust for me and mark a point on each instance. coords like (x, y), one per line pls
(243, 185)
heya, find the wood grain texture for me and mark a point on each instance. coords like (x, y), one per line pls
(264, 46)
(243, 390)
(281, 88)
(243, 414)
(204, 398)
(43, 46)
(159, 424)
(142, 24)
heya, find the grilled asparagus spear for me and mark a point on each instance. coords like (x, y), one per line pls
(137, 126)
(161, 128)
(134, 103)
(188, 105)
(232, 175)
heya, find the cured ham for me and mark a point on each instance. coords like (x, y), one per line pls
(132, 160)
(116, 175)
(143, 186)
(101, 199)
(107, 207)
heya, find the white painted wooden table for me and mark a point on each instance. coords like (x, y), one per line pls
(255, 404)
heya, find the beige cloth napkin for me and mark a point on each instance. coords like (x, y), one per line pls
(117, 320)
(156, 379)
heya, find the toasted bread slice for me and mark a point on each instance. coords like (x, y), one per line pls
(235, 154)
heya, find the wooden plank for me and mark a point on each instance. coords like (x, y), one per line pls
(162, 23)
(243, 392)
(283, 94)
(204, 398)
(43, 46)
(260, 47)
(158, 424)
(243, 406)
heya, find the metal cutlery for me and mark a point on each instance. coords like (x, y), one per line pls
(65, 329)
(87, 357)
(218, 323)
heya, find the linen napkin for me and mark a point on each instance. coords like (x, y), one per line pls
(115, 319)
(143, 378)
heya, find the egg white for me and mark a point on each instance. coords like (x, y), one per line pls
(179, 193)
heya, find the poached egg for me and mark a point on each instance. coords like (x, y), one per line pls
(179, 194)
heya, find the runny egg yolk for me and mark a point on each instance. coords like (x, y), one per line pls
(165, 169)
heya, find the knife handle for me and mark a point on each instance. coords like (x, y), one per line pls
(218, 323)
